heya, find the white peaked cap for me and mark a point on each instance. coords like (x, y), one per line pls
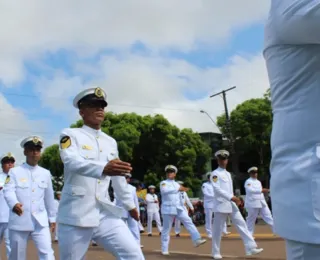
(180, 182)
(252, 169)
(36, 140)
(172, 167)
(9, 155)
(151, 187)
(98, 92)
(222, 152)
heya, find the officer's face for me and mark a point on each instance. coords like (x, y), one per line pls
(93, 113)
(58, 196)
(128, 179)
(33, 154)
(254, 174)
(7, 165)
(223, 162)
(171, 174)
(151, 191)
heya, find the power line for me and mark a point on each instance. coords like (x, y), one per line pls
(111, 104)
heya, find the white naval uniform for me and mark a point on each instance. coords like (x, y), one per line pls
(184, 201)
(208, 200)
(133, 225)
(171, 208)
(223, 191)
(32, 187)
(153, 212)
(85, 210)
(255, 204)
(56, 204)
(292, 54)
(4, 216)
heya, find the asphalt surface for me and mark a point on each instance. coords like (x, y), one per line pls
(181, 248)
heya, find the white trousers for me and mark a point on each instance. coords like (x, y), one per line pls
(112, 233)
(167, 225)
(240, 224)
(56, 232)
(41, 237)
(140, 226)
(133, 226)
(302, 251)
(4, 235)
(253, 213)
(209, 219)
(156, 217)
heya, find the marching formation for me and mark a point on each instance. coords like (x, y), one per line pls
(86, 211)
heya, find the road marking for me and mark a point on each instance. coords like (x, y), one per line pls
(194, 254)
(227, 236)
(224, 256)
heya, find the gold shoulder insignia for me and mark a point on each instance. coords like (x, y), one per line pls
(215, 178)
(65, 142)
(86, 147)
(163, 184)
(248, 184)
(7, 179)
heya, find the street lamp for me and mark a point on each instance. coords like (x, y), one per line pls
(205, 112)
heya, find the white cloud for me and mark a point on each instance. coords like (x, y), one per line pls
(146, 84)
(15, 126)
(38, 26)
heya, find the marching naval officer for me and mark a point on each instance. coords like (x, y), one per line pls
(153, 210)
(172, 208)
(7, 162)
(292, 54)
(255, 202)
(132, 223)
(186, 203)
(29, 194)
(226, 203)
(208, 196)
(86, 212)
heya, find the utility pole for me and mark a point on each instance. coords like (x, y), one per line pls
(230, 137)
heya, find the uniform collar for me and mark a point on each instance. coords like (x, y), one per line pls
(221, 169)
(91, 130)
(29, 166)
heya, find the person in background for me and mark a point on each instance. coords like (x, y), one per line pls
(225, 203)
(187, 205)
(172, 208)
(132, 223)
(208, 200)
(141, 193)
(255, 201)
(57, 200)
(7, 162)
(153, 210)
(29, 194)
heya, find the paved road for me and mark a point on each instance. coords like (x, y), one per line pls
(182, 248)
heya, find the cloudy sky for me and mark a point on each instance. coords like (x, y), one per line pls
(150, 57)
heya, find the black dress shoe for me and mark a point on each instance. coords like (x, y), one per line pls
(149, 235)
(177, 235)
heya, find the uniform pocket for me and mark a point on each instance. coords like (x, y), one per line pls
(74, 190)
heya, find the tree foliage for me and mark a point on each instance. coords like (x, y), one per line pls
(251, 122)
(149, 144)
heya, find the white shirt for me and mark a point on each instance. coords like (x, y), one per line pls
(208, 195)
(223, 191)
(119, 203)
(292, 54)
(4, 208)
(254, 195)
(185, 201)
(85, 198)
(170, 197)
(32, 187)
(152, 203)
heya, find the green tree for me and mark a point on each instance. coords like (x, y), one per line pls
(149, 144)
(251, 121)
